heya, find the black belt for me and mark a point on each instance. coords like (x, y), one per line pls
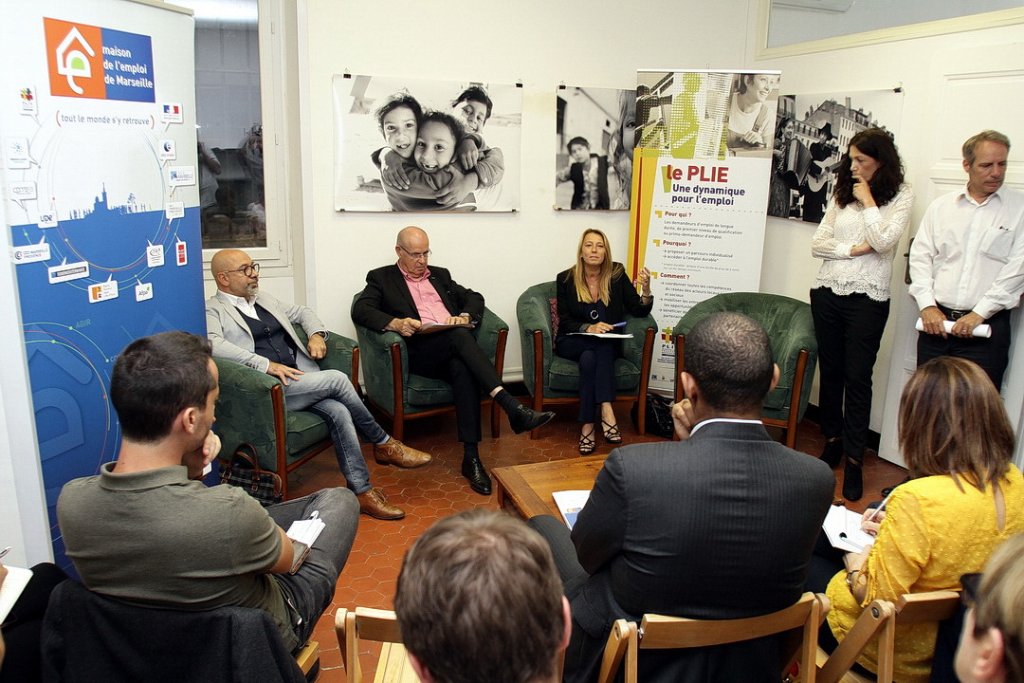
(952, 313)
(956, 314)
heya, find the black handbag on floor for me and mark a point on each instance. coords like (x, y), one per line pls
(244, 472)
(659, 416)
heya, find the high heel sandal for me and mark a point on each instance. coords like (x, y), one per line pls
(611, 433)
(587, 443)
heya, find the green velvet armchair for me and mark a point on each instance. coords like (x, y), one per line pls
(795, 350)
(251, 410)
(552, 380)
(402, 395)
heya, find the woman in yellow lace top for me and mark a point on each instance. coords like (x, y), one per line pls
(964, 499)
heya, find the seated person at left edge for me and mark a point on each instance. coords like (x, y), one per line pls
(594, 296)
(251, 327)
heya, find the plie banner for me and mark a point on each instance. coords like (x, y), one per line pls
(702, 165)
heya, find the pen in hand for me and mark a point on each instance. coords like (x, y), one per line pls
(622, 324)
(5, 551)
(880, 507)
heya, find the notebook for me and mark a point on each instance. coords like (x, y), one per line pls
(570, 503)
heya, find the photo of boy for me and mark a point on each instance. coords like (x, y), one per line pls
(589, 175)
(473, 107)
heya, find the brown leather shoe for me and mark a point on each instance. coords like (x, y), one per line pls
(394, 452)
(375, 504)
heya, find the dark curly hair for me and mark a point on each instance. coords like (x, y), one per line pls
(885, 184)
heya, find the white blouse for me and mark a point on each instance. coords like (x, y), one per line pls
(844, 228)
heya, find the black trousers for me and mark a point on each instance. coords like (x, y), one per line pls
(596, 358)
(849, 331)
(455, 357)
(583, 654)
(991, 354)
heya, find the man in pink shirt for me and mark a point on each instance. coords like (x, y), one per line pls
(406, 296)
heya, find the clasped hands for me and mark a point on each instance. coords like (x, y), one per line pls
(932, 320)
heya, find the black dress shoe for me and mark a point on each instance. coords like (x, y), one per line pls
(524, 419)
(833, 452)
(474, 472)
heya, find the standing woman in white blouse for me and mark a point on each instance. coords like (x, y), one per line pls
(857, 239)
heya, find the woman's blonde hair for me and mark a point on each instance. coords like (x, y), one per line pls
(607, 271)
(1001, 603)
(952, 421)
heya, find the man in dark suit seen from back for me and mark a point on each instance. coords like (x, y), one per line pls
(719, 525)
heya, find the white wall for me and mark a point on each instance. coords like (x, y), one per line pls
(537, 42)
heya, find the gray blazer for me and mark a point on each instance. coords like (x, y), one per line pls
(232, 338)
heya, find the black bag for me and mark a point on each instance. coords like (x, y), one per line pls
(244, 472)
(659, 416)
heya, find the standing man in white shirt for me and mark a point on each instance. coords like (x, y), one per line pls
(967, 261)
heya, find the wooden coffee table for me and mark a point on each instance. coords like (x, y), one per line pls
(527, 488)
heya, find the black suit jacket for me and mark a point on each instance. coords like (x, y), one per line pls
(622, 298)
(719, 526)
(386, 296)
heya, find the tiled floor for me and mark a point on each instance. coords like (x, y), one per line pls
(438, 490)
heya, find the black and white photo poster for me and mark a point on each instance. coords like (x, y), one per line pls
(415, 145)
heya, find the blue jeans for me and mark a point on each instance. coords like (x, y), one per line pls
(309, 591)
(330, 394)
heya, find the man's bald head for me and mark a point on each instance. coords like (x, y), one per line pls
(228, 266)
(411, 234)
(413, 250)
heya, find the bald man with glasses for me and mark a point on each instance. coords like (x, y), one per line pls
(408, 294)
(253, 328)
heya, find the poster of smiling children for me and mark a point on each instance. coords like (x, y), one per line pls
(415, 145)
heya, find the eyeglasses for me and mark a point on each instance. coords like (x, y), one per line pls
(969, 595)
(415, 255)
(248, 270)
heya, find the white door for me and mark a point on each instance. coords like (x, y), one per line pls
(973, 89)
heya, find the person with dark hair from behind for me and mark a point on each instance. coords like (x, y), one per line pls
(589, 175)
(143, 531)
(479, 599)
(856, 241)
(719, 525)
(992, 643)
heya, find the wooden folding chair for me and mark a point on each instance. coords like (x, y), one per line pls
(662, 632)
(380, 625)
(880, 619)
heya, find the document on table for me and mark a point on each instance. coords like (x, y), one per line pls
(570, 503)
(842, 526)
(10, 590)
